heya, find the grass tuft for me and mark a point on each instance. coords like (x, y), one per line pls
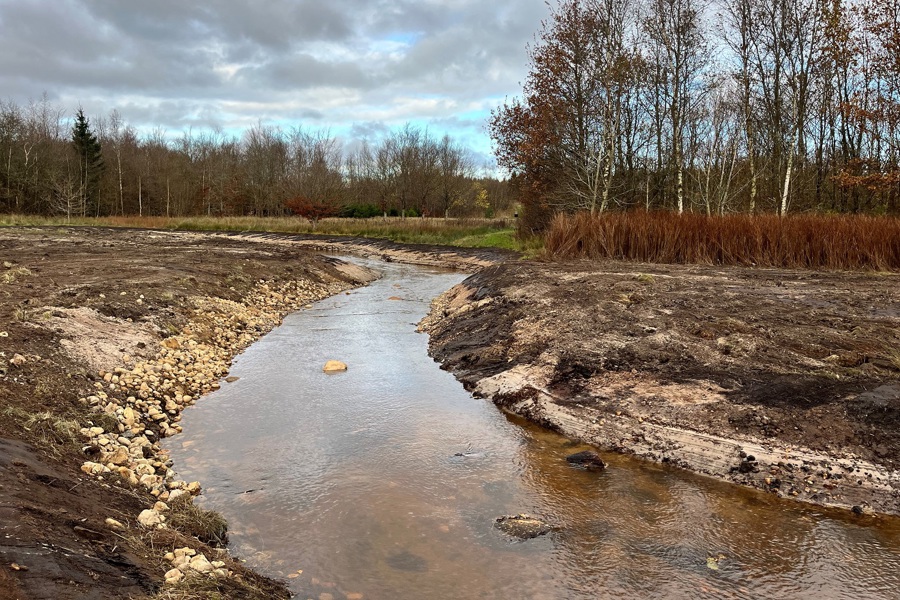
(799, 241)
(56, 434)
(206, 525)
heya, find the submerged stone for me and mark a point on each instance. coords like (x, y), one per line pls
(522, 526)
(588, 459)
(334, 366)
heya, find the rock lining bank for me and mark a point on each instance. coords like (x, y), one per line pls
(143, 404)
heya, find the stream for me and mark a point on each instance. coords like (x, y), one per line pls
(383, 483)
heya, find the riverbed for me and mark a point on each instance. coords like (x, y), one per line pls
(383, 482)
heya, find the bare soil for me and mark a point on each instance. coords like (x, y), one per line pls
(73, 302)
(783, 380)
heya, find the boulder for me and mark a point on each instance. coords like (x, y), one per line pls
(201, 564)
(174, 576)
(119, 457)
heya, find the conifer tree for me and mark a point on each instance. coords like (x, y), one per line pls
(90, 160)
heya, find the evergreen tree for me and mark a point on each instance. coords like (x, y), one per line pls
(90, 160)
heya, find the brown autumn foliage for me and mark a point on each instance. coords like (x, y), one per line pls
(311, 210)
(805, 241)
(625, 108)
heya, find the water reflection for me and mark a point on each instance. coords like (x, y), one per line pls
(383, 483)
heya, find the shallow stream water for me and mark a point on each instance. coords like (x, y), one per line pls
(351, 487)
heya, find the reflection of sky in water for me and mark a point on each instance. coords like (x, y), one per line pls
(354, 481)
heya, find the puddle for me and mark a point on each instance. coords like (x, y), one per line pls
(383, 482)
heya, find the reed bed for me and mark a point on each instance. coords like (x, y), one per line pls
(804, 241)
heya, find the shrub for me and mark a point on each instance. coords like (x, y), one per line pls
(799, 241)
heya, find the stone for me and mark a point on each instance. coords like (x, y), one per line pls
(522, 526)
(113, 524)
(588, 460)
(193, 488)
(334, 366)
(201, 564)
(174, 576)
(92, 468)
(150, 518)
(161, 507)
(18, 360)
(119, 457)
(175, 494)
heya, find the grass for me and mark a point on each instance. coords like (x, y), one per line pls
(206, 525)
(800, 241)
(53, 431)
(470, 233)
(13, 274)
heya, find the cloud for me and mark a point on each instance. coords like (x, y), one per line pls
(355, 66)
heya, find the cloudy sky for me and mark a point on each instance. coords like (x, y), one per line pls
(356, 67)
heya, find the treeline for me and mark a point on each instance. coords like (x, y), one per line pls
(684, 105)
(53, 164)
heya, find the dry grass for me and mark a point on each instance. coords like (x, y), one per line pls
(249, 585)
(206, 525)
(12, 274)
(58, 435)
(800, 241)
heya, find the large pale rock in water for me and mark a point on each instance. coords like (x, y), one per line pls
(522, 526)
(334, 366)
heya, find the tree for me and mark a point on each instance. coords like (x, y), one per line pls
(678, 47)
(564, 137)
(90, 160)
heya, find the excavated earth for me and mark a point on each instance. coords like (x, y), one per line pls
(786, 381)
(105, 337)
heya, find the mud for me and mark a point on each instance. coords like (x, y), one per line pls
(787, 381)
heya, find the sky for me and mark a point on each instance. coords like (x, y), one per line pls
(354, 67)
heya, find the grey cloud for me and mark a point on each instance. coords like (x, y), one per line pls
(176, 63)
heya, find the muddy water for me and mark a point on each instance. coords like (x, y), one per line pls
(350, 484)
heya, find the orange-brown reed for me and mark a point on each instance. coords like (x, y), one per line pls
(806, 241)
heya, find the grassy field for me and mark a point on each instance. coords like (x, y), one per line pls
(470, 233)
(805, 241)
